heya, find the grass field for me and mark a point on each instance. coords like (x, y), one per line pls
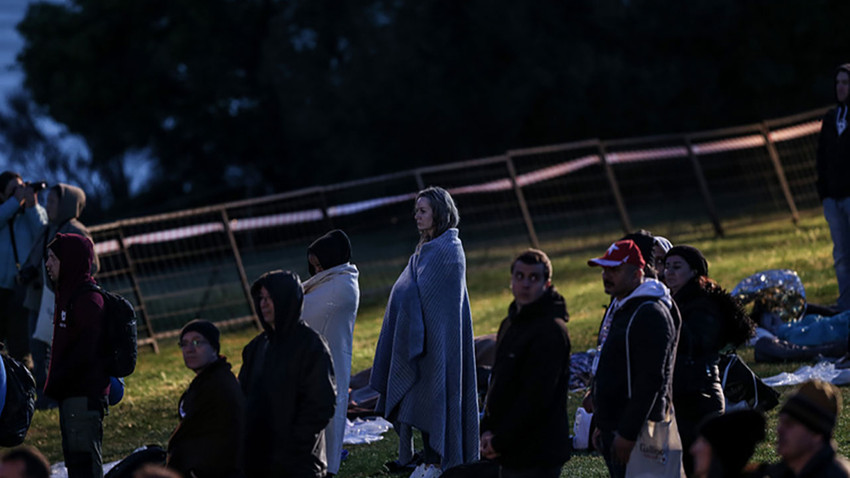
(149, 410)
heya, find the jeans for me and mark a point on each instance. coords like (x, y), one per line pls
(405, 446)
(81, 423)
(837, 214)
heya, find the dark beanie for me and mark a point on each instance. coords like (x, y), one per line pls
(692, 256)
(733, 438)
(205, 328)
(331, 250)
(816, 405)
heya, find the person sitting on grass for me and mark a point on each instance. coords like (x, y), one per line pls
(209, 437)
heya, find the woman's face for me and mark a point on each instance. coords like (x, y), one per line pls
(701, 452)
(677, 273)
(267, 306)
(424, 216)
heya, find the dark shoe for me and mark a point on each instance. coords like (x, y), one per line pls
(396, 467)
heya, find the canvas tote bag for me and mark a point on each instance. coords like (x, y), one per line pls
(658, 449)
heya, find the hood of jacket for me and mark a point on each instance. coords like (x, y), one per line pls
(651, 288)
(286, 292)
(845, 68)
(331, 250)
(75, 254)
(72, 201)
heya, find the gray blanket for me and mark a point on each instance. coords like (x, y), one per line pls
(424, 368)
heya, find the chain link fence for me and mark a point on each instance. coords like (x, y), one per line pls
(199, 263)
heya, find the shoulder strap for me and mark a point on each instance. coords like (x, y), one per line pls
(628, 355)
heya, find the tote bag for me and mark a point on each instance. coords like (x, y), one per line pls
(658, 448)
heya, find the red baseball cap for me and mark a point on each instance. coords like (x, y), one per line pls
(620, 252)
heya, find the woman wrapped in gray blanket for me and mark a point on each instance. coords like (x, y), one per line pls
(424, 368)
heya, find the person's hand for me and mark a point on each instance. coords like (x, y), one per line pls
(596, 440)
(621, 449)
(20, 193)
(486, 446)
(30, 197)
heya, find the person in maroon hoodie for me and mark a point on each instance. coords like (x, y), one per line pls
(77, 378)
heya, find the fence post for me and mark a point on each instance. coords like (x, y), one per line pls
(703, 188)
(417, 175)
(141, 309)
(323, 200)
(243, 278)
(780, 172)
(523, 206)
(615, 189)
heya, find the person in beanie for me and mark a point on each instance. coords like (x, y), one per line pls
(288, 379)
(725, 443)
(804, 434)
(77, 376)
(331, 298)
(711, 320)
(634, 368)
(833, 168)
(208, 439)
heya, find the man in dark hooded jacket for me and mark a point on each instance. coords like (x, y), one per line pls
(287, 376)
(77, 376)
(525, 426)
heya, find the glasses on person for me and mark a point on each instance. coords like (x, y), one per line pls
(194, 343)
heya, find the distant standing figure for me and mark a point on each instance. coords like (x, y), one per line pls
(77, 376)
(634, 370)
(288, 380)
(65, 203)
(525, 426)
(833, 183)
(331, 298)
(424, 367)
(208, 439)
(711, 320)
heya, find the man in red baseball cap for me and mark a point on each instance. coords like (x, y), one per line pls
(634, 367)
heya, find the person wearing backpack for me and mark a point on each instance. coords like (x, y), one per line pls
(77, 377)
(64, 205)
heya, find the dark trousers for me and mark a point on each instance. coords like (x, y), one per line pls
(81, 423)
(14, 323)
(615, 470)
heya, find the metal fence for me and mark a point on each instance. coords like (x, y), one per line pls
(198, 263)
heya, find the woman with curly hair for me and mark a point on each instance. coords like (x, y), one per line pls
(711, 321)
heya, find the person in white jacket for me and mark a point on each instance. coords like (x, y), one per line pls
(331, 298)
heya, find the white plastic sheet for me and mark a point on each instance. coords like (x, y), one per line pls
(823, 370)
(361, 431)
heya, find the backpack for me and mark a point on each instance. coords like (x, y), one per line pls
(742, 388)
(20, 403)
(121, 333)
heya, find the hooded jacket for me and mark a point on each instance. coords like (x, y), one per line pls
(26, 226)
(77, 360)
(526, 407)
(833, 153)
(72, 201)
(633, 381)
(288, 381)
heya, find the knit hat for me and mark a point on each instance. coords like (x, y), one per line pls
(331, 250)
(692, 256)
(205, 328)
(620, 252)
(733, 438)
(816, 405)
